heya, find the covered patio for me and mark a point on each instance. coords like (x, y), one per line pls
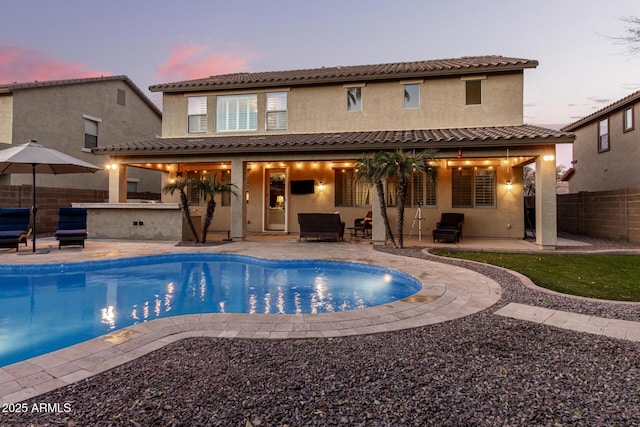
(278, 176)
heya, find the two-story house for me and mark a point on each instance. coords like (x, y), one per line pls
(289, 140)
(606, 148)
(75, 116)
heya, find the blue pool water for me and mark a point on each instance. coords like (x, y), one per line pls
(47, 307)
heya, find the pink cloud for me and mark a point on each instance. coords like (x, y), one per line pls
(18, 64)
(195, 61)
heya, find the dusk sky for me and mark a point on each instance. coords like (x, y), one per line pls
(582, 68)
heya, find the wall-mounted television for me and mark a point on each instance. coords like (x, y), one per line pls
(303, 186)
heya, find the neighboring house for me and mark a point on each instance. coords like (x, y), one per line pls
(606, 151)
(75, 116)
(289, 139)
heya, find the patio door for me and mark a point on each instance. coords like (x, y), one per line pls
(275, 215)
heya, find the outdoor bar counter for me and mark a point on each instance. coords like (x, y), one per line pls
(135, 221)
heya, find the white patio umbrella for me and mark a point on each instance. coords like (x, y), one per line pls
(35, 158)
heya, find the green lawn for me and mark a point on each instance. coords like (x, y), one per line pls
(612, 277)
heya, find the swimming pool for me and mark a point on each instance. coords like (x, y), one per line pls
(51, 306)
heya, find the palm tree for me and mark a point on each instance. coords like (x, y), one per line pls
(400, 165)
(367, 168)
(180, 185)
(208, 187)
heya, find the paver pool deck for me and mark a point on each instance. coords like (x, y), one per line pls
(448, 292)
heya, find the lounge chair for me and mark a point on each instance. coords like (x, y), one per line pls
(321, 226)
(72, 227)
(449, 227)
(14, 227)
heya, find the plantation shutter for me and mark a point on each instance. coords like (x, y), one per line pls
(462, 188)
(485, 188)
(197, 112)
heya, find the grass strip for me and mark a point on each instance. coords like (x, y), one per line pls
(610, 277)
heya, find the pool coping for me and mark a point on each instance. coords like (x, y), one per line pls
(447, 293)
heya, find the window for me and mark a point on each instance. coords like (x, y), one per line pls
(473, 187)
(277, 111)
(90, 133)
(354, 99)
(485, 188)
(627, 119)
(197, 112)
(603, 135)
(349, 191)
(121, 97)
(412, 96)
(421, 191)
(236, 113)
(132, 185)
(473, 92)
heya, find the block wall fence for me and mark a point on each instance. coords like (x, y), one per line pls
(612, 215)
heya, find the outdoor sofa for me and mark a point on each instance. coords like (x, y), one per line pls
(321, 226)
(449, 228)
(14, 227)
(72, 227)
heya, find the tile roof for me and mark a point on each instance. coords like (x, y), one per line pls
(624, 102)
(344, 141)
(11, 87)
(466, 65)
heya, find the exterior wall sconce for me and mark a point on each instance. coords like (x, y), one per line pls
(548, 157)
(509, 185)
(111, 166)
(320, 186)
(246, 196)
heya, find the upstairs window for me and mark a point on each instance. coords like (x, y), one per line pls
(277, 111)
(627, 119)
(236, 113)
(412, 96)
(121, 97)
(354, 99)
(90, 133)
(603, 135)
(197, 111)
(473, 89)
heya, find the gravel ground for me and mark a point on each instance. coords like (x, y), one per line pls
(481, 370)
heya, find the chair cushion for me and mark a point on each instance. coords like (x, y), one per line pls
(71, 233)
(12, 234)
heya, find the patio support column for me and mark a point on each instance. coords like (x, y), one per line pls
(117, 183)
(546, 215)
(378, 233)
(238, 204)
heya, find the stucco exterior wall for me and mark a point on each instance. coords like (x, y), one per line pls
(506, 220)
(609, 170)
(6, 119)
(54, 117)
(324, 108)
(133, 221)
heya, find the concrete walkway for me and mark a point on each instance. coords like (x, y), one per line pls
(613, 328)
(447, 293)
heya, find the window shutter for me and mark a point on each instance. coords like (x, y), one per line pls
(462, 188)
(197, 114)
(236, 113)
(485, 188)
